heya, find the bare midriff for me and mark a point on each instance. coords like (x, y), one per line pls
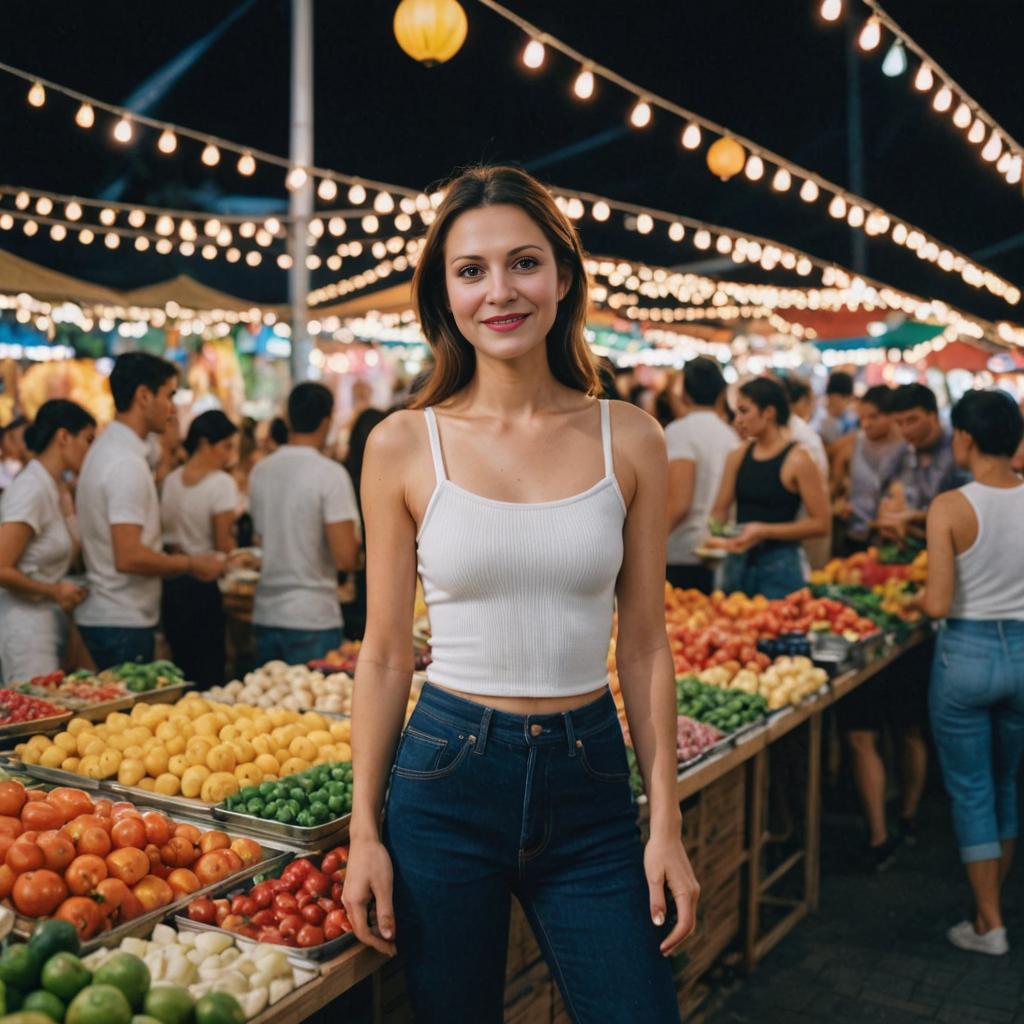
(529, 705)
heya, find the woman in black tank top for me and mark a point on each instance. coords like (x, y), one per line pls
(768, 478)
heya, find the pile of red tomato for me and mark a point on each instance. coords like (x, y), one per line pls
(301, 908)
(21, 707)
(98, 863)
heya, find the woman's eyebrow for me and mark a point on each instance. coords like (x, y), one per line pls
(511, 252)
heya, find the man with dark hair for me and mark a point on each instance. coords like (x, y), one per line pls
(13, 453)
(278, 431)
(119, 518)
(304, 509)
(837, 420)
(698, 445)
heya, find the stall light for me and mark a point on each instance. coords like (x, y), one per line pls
(924, 79)
(895, 62)
(782, 180)
(336, 226)
(141, 243)
(370, 224)
(691, 136)
(210, 155)
(357, 195)
(977, 132)
(44, 206)
(993, 147)
(58, 232)
(870, 35)
(837, 207)
(809, 191)
(754, 169)
(107, 216)
(136, 218)
(123, 130)
(284, 261)
(253, 258)
(85, 116)
(403, 222)
(644, 223)
(943, 99)
(327, 189)
(962, 116)
(36, 95)
(246, 165)
(295, 179)
(85, 236)
(232, 255)
(111, 240)
(640, 115)
(831, 10)
(600, 211)
(168, 142)
(533, 54)
(186, 248)
(72, 211)
(583, 87)
(383, 203)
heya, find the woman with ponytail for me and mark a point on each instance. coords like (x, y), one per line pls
(36, 544)
(198, 510)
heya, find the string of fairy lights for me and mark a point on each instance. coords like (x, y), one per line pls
(999, 148)
(732, 153)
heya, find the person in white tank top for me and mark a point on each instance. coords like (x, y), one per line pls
(529, 510)
(976, 699)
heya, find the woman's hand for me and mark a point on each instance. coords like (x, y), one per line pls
(668, 867)
(369, 877)
(750, 536)
(69, 595)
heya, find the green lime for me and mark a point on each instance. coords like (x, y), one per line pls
(54, 936)
(45, 1002)
(170, 1004)
(19, 967)
(99, 1004)
(27, 1017)
(65, 976)
(129, 974)
(219, 1008)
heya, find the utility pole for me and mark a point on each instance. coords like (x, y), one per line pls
(300, 200)
(855, 143)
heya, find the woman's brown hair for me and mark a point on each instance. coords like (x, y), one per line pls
(569, 355)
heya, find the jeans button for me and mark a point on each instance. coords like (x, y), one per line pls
(536, 730)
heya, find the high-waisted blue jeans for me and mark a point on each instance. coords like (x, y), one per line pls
(483, 805)
(976, 706)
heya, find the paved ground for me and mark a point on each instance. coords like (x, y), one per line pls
(876, 951)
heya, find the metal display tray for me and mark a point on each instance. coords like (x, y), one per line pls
(97, 712)
(162, 695)
(273, 858)
(37, 725)
(277, 830)
(307, 957)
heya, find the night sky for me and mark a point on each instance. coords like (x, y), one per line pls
(765, 68)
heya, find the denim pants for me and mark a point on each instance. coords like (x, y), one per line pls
(483, 805)
(976, 705)
(294, 646)
(774, 570)
(114, 645)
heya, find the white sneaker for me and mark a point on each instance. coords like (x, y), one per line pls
(964, 936)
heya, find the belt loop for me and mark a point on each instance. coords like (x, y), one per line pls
(485, 725)
(570, 735)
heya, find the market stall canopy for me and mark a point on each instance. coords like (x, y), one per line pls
(19, 276)
(188, 293)
(905, 335)
(396, 299)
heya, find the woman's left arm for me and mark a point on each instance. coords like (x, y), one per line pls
(938, 591)
(645, 668)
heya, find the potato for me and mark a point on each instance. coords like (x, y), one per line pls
(90, 767)
(341, 730)
(167, 784)
(218, 787)
(166, 730)
(228, 733)
(295, 764)
(110, 761)
(344, 751)
(147, 784)
(193, 780)
(178, 765)
(248, 775)
(78, 725)
(130, 771)
(320, 738)
(302, 747)
(31, 755)
(135, 751)
(53, 756)
(268, 764)
(221, 758)
(245, 753)
(176, 745)
(262, 744)
(96, 746)
(117, 721)
(156, 759)
(198, 749)
(66, 741)
(119, 742)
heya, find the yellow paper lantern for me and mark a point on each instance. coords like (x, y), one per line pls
(430, 31)
(726, 157)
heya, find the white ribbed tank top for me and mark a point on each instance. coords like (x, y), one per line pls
(990, 573)
(520, 594)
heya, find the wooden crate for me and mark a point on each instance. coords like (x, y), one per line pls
(718, 923)
(523, 950)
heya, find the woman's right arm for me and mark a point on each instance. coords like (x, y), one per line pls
(383, 674)
(727, 488)
(14, 538)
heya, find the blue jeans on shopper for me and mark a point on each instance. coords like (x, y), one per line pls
(976, 705)
(294, 646)
(483, 805)
(114, 645)
(772, 569)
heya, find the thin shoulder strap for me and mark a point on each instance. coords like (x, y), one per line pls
(435, 444)
(606, 438)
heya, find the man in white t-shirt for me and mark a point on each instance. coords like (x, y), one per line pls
(119, 519)
(304, 510)
(698, 445)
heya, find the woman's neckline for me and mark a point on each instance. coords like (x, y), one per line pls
(202, 480)
(604, 481)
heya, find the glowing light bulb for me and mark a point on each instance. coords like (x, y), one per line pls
(85, 116)
(1002, 166)
(210, 155)
(584, 84)
(111, 240)
(837, 207)
(142, 243)
(870, 35)
(246, 165)
(36, 95)
(284, 261)
(164, 246)
(107, 216)
(691, 136)
(533, 55)
(370, 224)
(85, 236)
(208, 252)
(137, 218)
(895, 62)
(782, 180)
(676, 231)
(21, 200)
(164, 225)
(123, 130)
(900, 234)
(233, 255)
(600, 211)
(702, 239)
(327, 189)
(253, 258)
(943, 99)
(295, 179)
(30, 227)
(831, 10)
(272, 224)
(855, 218)
(336, 226)
(977, 132)
(186, 248)
(72, 211)
(640, 116)
(357, 195)
(44, 205)
(809, 191)
(962, 116)
(644, 223)
(58, 232)
(383, 203)
(993, 147)
(755, 167)
(924, 79)
(168, 142)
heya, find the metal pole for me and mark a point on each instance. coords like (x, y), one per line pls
(855, 143)
(300, 201)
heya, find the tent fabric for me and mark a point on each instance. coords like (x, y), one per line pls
(395, 299)
(188, 293)
(907, 335)
(19, 275)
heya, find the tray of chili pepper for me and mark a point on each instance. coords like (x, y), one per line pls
(21, 713)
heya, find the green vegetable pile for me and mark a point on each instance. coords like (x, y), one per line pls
(727, 710)
(900, 554)
(307, 799)
(141, 678)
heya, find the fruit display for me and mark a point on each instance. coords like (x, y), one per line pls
(345, 657)
(307, 799)
(96, 863)
(72, 693)
(889, 605)
(726, 709)
(302, 908)
(16, 708)
(787, 680)
(278, 685)
(141, 678)
(204, 965)
(692, 738)
(194, 748)
(874, 567)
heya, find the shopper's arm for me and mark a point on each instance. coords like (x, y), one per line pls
(727, 488)
(646, 673)
(132, 556)
(383, 673)
(223, 537)
(938, 592)
(682, 476)
(344, 545)
(14, 538)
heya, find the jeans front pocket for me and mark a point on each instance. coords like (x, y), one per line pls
(424, 756)
(603, 754)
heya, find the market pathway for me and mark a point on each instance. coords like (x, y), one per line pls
(876, 951)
